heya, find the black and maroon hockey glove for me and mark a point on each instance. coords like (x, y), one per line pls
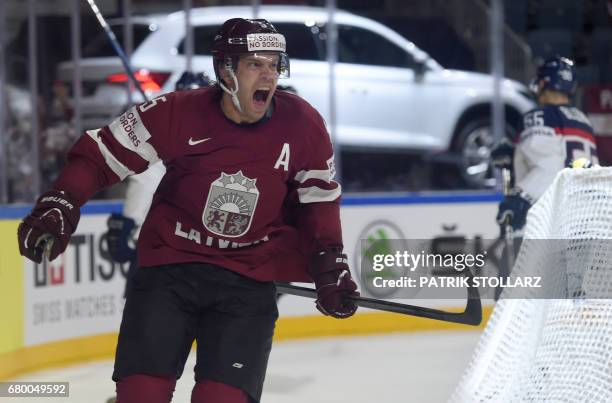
(330, 272)
(48, 227)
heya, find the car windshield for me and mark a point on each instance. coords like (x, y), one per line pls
(100, 45)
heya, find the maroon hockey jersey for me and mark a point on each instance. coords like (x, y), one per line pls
(257, 199)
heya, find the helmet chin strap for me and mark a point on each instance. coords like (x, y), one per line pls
(233, 93)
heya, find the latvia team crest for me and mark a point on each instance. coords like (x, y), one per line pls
(230, 205)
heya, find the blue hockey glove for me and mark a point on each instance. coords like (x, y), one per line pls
(117, 237)
(512, 210)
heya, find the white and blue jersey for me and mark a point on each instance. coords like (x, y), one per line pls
(552, 137)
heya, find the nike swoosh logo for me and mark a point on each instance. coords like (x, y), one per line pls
(193, 142)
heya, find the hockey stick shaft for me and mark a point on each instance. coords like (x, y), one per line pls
(472, 315)
(118, 49)
(509, 231)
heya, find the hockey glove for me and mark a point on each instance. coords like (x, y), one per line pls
(47, 229)
(502, 155)
(512, 210)
(330, 272)
(117, 237)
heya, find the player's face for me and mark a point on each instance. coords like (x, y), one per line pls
(257, 76)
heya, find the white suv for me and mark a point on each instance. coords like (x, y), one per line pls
(390, 94)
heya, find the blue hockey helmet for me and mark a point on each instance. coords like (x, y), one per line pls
(557, 74)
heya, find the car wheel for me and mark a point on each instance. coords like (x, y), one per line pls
(473, 147)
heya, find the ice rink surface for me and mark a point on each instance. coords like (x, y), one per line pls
(401, 367)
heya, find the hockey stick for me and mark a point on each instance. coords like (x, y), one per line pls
(504, 270)
(509, 238)
(472, 315)
(118, 49)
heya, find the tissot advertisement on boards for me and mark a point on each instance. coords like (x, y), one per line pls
(79, 293)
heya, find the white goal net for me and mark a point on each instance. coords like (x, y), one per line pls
(554, 350)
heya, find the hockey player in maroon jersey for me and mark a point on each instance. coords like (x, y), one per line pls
(248, 198)
(553, 135)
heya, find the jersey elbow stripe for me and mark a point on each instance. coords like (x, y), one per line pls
(320, 174)
(315, 194)
(111, 161)
(130, 132)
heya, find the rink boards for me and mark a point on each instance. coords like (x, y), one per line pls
(70, 310)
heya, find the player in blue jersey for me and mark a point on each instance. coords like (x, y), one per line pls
(551, 137)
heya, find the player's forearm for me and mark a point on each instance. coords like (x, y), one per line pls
(541, 158)
(534, 184)
(320, 226)
(85, 173)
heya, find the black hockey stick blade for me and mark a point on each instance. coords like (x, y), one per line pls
(472, 315)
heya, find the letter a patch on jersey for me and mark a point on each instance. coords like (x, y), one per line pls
(230, 205)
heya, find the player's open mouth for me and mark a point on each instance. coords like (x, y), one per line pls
(260, 97)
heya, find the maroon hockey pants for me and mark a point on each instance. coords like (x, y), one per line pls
(154, 389)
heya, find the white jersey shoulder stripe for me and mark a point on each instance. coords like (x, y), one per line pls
(315, 194)
(129, 130)
(321, 174)
(113, 163)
